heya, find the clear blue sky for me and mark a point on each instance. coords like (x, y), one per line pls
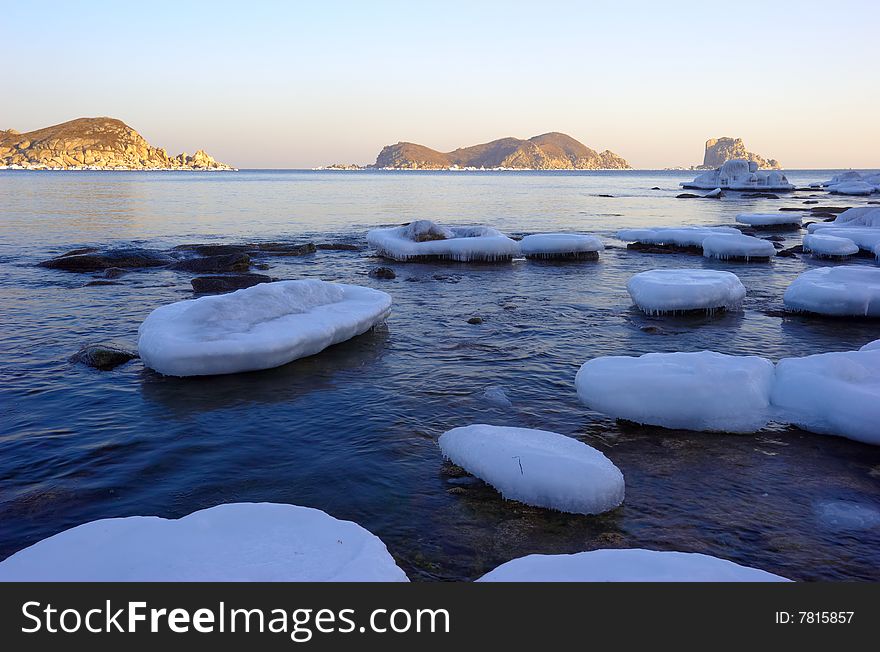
(289, 84)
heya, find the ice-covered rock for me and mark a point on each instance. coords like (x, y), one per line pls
(738, 247)
(236, 542)
(831, 393)
(703, 391)
(764, 220)
(680, 290)
(626, 565)
(829, 246)
(561, 246)
(866, 237)
(740, 174)
(852, 182)
(858, 188)
(679, 236)
(857, 216)
(263, 326)
(849, 290)
(424, 240)
(537, 467)
(871, 346)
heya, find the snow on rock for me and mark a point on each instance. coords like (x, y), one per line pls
(679, 290)
(829, 246)
(263, 326)
(849, 290)
(679, 236)
(866, 237)
(228, 543)
(626, 565)
(714, 194)
(831, 393)
(537, 467)
(740, 174)
(738, 247)
(704, 391)
(852, 182)
(424, 240)
(561, 246)
(769, 219)
(858, 216)
(871, 346)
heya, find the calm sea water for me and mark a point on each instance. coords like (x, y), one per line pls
(353, 430)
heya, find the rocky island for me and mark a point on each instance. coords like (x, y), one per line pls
(93, 144)
(551, 151)
(720, 150)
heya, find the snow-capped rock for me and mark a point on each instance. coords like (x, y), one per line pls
(424, 240)
(761, 220)
(849, 290)
(679, 290)
(738, 247)
(561, 246)
(740, 174)
(829, 246)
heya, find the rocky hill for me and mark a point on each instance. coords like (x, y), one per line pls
(721, 150)
(93, 143)
(552, 151)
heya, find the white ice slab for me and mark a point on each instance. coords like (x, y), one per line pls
(681, 236)
(740, 174)
(737, 247)
(866, 237)
(537, 467)
(781, 218)
(829, 246)
(848, 290)
(704, 391)
(831, 393)
(626, 565)
(858, 216)
(239, 542)
(560, 245)
(260, 327)
(677, 290)
(425, 240)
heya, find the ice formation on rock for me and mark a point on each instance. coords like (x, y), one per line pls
(831, 393)
(852, 182)
(738, 247)
(424, 240)
(740, 174)
(561, 246)
(626, 565)
(866, 237)
(661, 291)
(704, 391)
(765, 220)
(848, 290)
(829, 246)
(263, 326)
(858, 216)
(679, 236)
(236, 542)
(537, 467)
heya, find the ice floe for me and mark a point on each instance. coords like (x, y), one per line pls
(740, 174)
(678, 236)
(703, 391)
(263, 326)
(764, 220)
(681, 290)
(423, 240)
(831, 393)
(555, 246)
(537, 467)
(231, 543)
(829, 246)
(738, 247)
(848, 290)
(626, 565)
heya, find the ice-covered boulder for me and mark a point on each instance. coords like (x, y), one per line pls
(738, 247)
(704, 391)
(263, 326)
(871, 346)
(829, 246)
(857, 188)
(852, 182)
(832, 393)
(849, 290)
(682, 290)
(866, 237)
(858, 216)
(678, 236)
(626, 565)
(424, 240)
(537, 467)
(769, 220)
(561, 246)
(740, 174)
(237, 542)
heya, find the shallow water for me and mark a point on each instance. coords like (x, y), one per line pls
(353, 430)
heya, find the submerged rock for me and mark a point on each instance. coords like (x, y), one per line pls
(382, 272)
(284, 248)
(114, 272)
(337, 246)
(94, 260)
(475, 320)
(221, 263)
(213, 249)
(103, 356)
(687, 195)
(227, 283)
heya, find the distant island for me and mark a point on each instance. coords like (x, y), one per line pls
(93, 144)
(720, 150)
(551, 151)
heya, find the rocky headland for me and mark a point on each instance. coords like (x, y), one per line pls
(720, 150)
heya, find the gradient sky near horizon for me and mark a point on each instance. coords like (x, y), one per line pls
(290, 84)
